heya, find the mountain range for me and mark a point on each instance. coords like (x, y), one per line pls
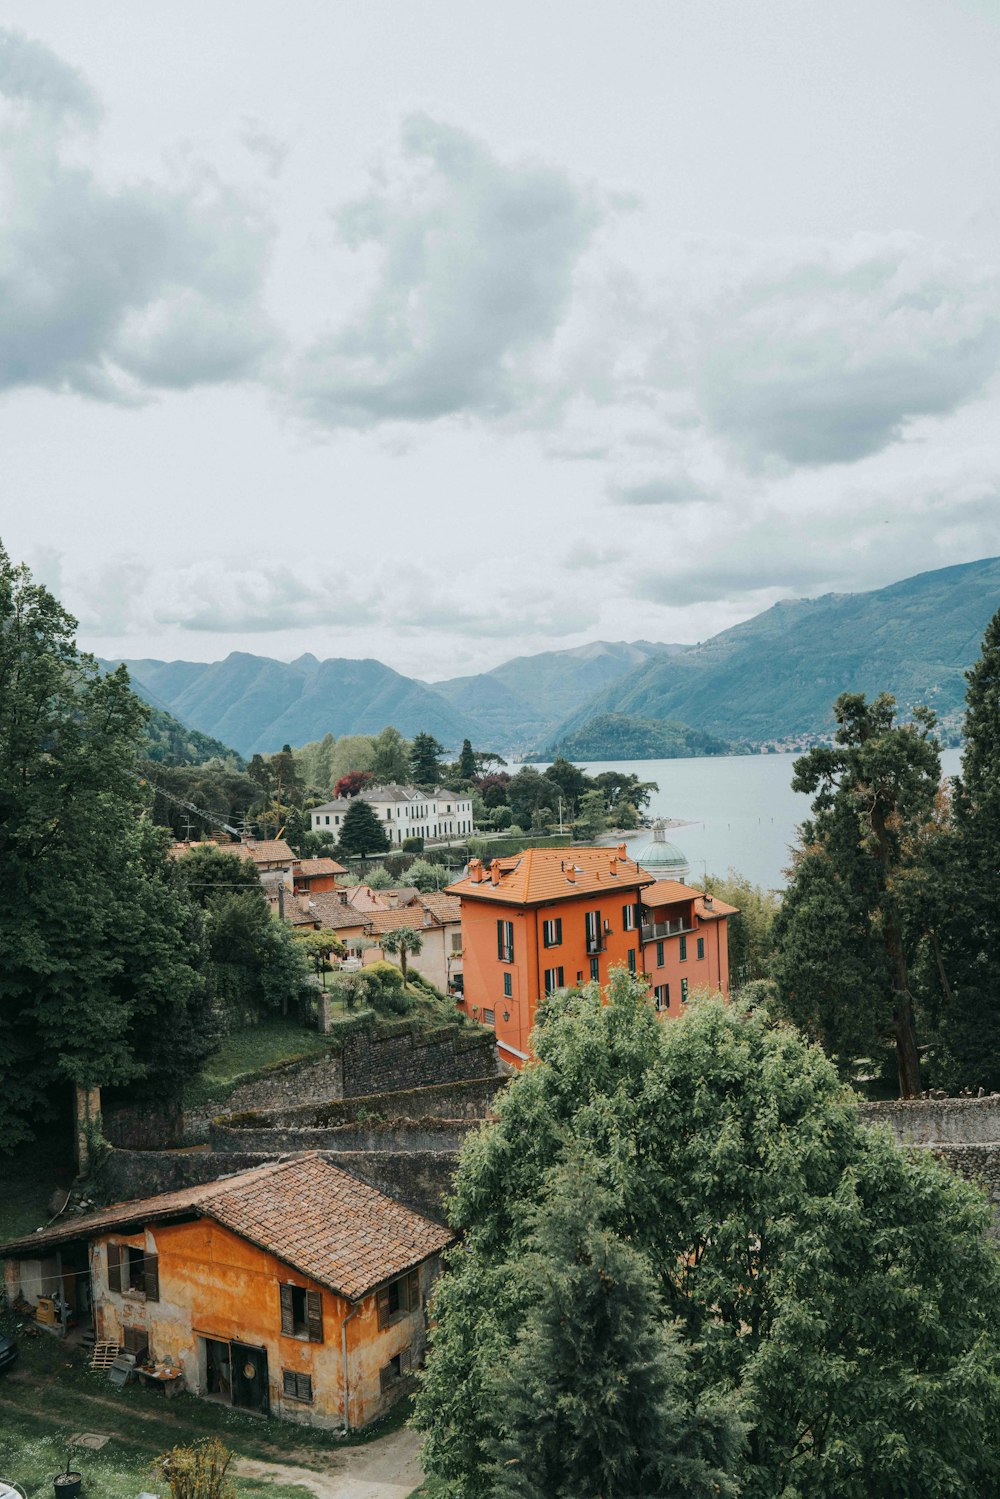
(771, 679)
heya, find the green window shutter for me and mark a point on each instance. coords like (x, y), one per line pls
(314, 1316)
(114, 1267)
(288, 1378)
(304, 1387)
(287, 1312)
(151, 1277)
(413, 1290)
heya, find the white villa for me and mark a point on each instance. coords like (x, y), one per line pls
(406, 813)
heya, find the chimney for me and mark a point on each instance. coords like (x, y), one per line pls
(614, 866)
(620, 850)
(476, 871)
(707, 899)
(495, 871)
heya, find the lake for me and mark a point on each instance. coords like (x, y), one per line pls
(740, 810)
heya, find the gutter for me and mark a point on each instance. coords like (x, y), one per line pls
(506, 1046)
(356, 1307)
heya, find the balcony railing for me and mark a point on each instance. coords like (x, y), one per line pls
(655, 931)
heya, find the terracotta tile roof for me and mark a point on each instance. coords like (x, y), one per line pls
(391, 921)
(666, 892)
(263, 850)
(308, 1214)
(546, 874)
(446, 908)
(310, 867)
(715, 910)
(332, 912)
(297, 912)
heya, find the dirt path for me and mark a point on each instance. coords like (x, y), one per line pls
(387, 1468)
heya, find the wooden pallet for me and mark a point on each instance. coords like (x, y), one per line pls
(104, 1355)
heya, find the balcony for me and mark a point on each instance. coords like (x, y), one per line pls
(656, 931)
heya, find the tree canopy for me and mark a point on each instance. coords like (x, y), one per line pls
(840, 1289)
(101, 952)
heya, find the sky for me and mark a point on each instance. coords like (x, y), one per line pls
(447, 332)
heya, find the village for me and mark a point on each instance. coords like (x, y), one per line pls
(298, 1287)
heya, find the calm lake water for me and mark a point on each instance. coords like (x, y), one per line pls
(740, 810)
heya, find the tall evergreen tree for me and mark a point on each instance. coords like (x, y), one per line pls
(596, 1399)
(361, 832)
(425, 760)
(390, 761)
(966, 874)
(874, 796)
(467, 768)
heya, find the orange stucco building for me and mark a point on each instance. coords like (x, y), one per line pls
(684, 942)
(547, 919)
(291, 1289)
(554, 918)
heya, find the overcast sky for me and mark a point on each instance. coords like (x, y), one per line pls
(443, 332)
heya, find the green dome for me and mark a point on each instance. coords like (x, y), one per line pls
(661, 857)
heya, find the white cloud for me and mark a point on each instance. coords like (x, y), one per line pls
(114, 291)
(475, 263)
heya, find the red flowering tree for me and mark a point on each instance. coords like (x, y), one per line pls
(352, 783)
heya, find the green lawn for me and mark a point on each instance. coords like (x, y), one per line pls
(51, 1395)
(247, 1050)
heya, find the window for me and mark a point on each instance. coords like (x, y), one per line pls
(631, 960)
(327, 821)
(659, 955)
(505, 941)
(684, 991)
(593, 931)
(456, 941)
(701, 947)
(628, 918)
(396, 1369)
(595, 969)
(131, 1269)
(297, 1386)
(684, 949)
(301, 1313)
(508, 986)
(552, 932)
(661, 994)
(553, 980)
(489, 1017)
(400, 1297)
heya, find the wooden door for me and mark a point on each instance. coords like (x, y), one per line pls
(249, 1366)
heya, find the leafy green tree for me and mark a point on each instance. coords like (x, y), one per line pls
(874, 796)
(593, 814)
(379, 879)
(596, 1398)
(209, 868)
(841, 1288)
(620, 788)
(320, 946)
(467, 767)
(352, 752)
(390, 763)
(256, 965)
(101, 953)
(571, 781)
(402, 942)
(425, 760)
(751, 930)
(361, 832)
(426, 876)
(524, 792)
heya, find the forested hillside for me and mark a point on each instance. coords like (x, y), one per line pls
(776, 676)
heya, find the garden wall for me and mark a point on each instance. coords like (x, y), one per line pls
(939, 1121)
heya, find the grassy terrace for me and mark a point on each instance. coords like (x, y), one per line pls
(51, 1396)
(250, 1049)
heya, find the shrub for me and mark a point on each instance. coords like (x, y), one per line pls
(412, 845)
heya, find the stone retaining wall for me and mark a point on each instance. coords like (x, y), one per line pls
(420, 1179)
(402, 1135)
(471, 1100)
(939, 1121)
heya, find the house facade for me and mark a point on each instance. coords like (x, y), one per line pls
(547, 919)
(291, 1289)
(405, 812)
(685, 943)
